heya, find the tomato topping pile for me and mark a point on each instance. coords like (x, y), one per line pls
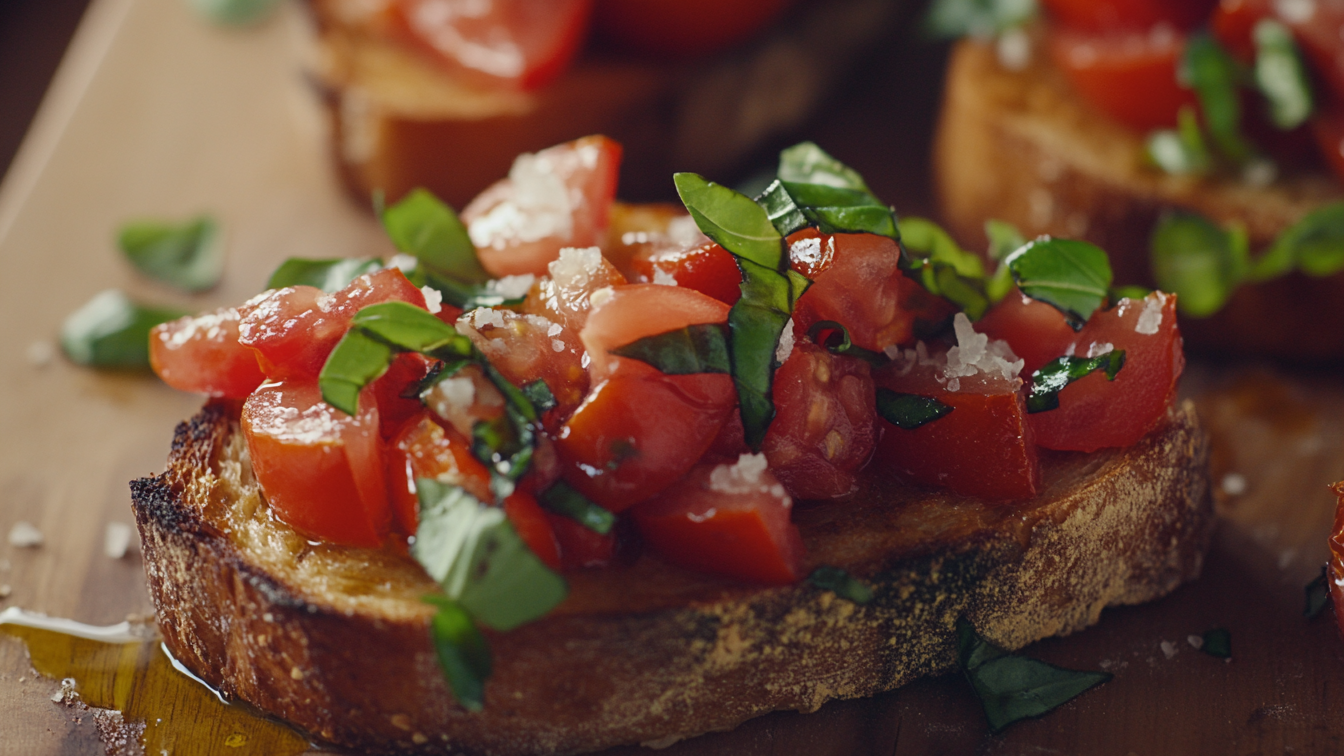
(603, 406)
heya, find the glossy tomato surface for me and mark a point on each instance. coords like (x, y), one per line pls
(580, 547)
(706, 268)
(201, 354)
(825, 422)
(1094, 412)
(1129, 76)
(728, 519)
(564, 295)
(527, 348)
(682, 28)
(534, 527)
(320, 469)
(635, 311)
(559, 197)
(1104, 15)
(426, 449)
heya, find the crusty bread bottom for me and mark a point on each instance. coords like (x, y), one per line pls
(335, 640)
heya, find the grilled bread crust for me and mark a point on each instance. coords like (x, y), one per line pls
(1023, 147)
(336, 639)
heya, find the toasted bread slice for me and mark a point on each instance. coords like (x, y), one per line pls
(1021, 146)
(336, 639)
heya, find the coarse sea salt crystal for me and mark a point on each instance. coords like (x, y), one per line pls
(683, 232)
(1196, 642)
(402, 262)
(785, 347)
(458, 391)
(1168, 648)
(1097, 349)
(117, 540)
(539, 207)
(575, 266)
(557, 345)
(1150, 320)
(485, 316)
(511, 287)
(601, 296)
(25, 535)
(1013, 49)
(41, 353)
(976, 353)
(663, 278)
(433, 299)
(743, 476)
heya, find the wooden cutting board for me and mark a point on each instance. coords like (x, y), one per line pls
(156, 115)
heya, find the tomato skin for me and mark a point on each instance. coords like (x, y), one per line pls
(201, 354)
(1129, 76)
(682, 28)
(581, 548)
(427, 449)
(394, 409)
(1095, 413)
(742, 532)
(534, 527)
(514, 234)
(706, 268)
(1037, 332)
(825, 422)
(294, 329)
(636, 311)
(639, 430)
(320, 469)
(1103, 15)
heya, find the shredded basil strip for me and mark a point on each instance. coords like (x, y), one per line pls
(464, 654)
(908, 411)
(539, 394)
(815, 189)
(1212, 72)
(783, 212)
(424, 227)
(942, 267)
(699, 348)
(186, 255)
(562, 499)
(1004, 238)
(844, 347)
(1199, 261)
(807, 163)
(358, 360)
(733, 220)
(1281, 74)
(473, 552)
(1012, 687)
(111, 331)
(1181, 151)
(464, 296)
(841, 583)
(1317, 595)
(1314, 245)
(1048, 381)
(949, 19)
(1217, 642)
(1072, 276)
(327, 275)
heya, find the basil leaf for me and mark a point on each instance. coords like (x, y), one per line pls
(807, 163)
(463, 652)
(908, 411)
(755, 324)
(327, 275)
(841, 583)
(780, 208)
(1318, 595)
(563, 499)
(950, 19)
(464, 296)
(835, 210)
(1013, 687)
(473, 551)
(1048, 381)
(1315, 243)
(1217, 642)
(1281, 75)
(186, 255)
(733, 220)
(694, 349)
(111, 331)
(1070, 275)
(1004, 238)
(423, 226)
(1181, 152)
(357, 361)
(412, 329)
(1213, 74)
(1198, 261)
(943, 268)
(844, 347)
(540, 396)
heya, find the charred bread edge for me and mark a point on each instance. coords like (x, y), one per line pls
(1020, 146)
(1130, 531)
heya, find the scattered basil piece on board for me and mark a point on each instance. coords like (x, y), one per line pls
(841, 583)
(733, 220)
(111, 331)
(699, 348)
(1198, 261)
(1317, 595)
(463, 652)
(1073, 276)
(1217, 642)
(1213, 73)
(1314, 245)
(908, 411)
(1050, 379)
(1012, 687)
(949, 19)
(1281, 75)
(475, 554)
(327, 275)
(562, 499)
(424, 227)
(186, 255)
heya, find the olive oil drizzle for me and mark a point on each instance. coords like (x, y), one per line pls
(114, 669)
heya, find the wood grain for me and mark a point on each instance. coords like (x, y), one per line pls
(154, 114)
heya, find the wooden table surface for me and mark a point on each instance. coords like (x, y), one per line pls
(154, 114)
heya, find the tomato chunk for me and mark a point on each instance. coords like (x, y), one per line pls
(1094, 412)
(580, 547)
(635, 311)
(1037, 332)
(320, 469)
(727, 519)
(395, 409)
(705, 267)
(825, 422)
(559, 197)
(1328, 128)
(564, 295)
(426, 449)
(639, 430)
(1128, 75)
(201, 354)
(534, 527)
(527, 348)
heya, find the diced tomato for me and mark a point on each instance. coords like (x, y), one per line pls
(1128, 75)
(1336, 576)
(637, 228)
(201, 354)
(534, 527)
(527, 348)
(426, 449)
(580, 547)
(682, 28)
(516, 44)
(1037, 332)
(1327, 125)
(638, 430)
(463, 399)
(295, 328)
(320, 469)
(825, 422)
(559, 197)
(563, 296)
(1094, 412)
(706, 268)
(394, 407)
(727, 519)
(635, 311)
(1104, 15)
(983, 447)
